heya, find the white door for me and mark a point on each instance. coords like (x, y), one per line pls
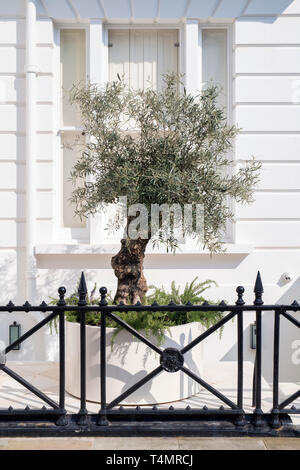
(141, 57)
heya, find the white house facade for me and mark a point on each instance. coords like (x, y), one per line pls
(250, 47)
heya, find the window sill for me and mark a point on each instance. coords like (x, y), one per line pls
(112, 249)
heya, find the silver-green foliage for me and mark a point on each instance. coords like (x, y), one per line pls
(179, 153)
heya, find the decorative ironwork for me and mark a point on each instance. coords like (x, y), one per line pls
(171, 360)
(228, 419)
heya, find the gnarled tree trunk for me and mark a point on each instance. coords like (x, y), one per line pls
(128, 268)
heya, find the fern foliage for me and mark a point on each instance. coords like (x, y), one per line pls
(153, 323)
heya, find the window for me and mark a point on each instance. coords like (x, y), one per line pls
(71, 146)
(72, 70)
(214, 61)
(215, 71)
(142, 56)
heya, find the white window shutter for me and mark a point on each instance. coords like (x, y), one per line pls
(73, 70)
(150, 59)
(136, 55)
(214, 60)
(70, 153)
(167, 59)
(142, 56)
(119, 55)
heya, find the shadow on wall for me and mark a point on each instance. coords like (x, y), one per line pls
(289, 341)
(12, 263)
(33, 349)
(65, 269)
(57, 270)
(268, 7)
(50, 280)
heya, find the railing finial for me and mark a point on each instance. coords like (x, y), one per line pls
(103, 292)
(240, 292)
(82, 290)
(61, 292)
(258, 290)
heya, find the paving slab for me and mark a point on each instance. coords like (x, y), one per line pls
(27, 443)
(136, 443)
(221, 443)
(149, 443)
(282, 443)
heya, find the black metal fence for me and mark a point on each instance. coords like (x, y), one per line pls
(228, 420)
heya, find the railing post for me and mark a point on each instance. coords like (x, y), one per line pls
(62, 421)
(240, 352)
(82, 291)
(102, 417)
(254, 384)
(275, 411)
(258, 290)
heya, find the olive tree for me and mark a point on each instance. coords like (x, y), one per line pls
(157, 147)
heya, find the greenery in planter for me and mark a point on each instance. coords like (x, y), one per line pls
(157, 147)
(154, 323)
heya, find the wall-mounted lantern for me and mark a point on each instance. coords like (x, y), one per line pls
(253, 336)
(14, 334)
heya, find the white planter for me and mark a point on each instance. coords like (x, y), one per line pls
(128, 361)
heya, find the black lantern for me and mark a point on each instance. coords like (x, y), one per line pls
(253, 336)
(14, 334)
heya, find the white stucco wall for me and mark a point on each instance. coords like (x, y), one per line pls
(265, 78)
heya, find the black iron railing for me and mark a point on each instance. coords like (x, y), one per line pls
(110, 420)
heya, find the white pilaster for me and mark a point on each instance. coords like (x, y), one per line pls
(31, 72)
(97, 74)
(97, 53)
(192, 57)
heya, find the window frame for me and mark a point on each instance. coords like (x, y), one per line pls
(229, 235)
(62, 233)
(93, 232)
(179, 28)
(99, 221)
